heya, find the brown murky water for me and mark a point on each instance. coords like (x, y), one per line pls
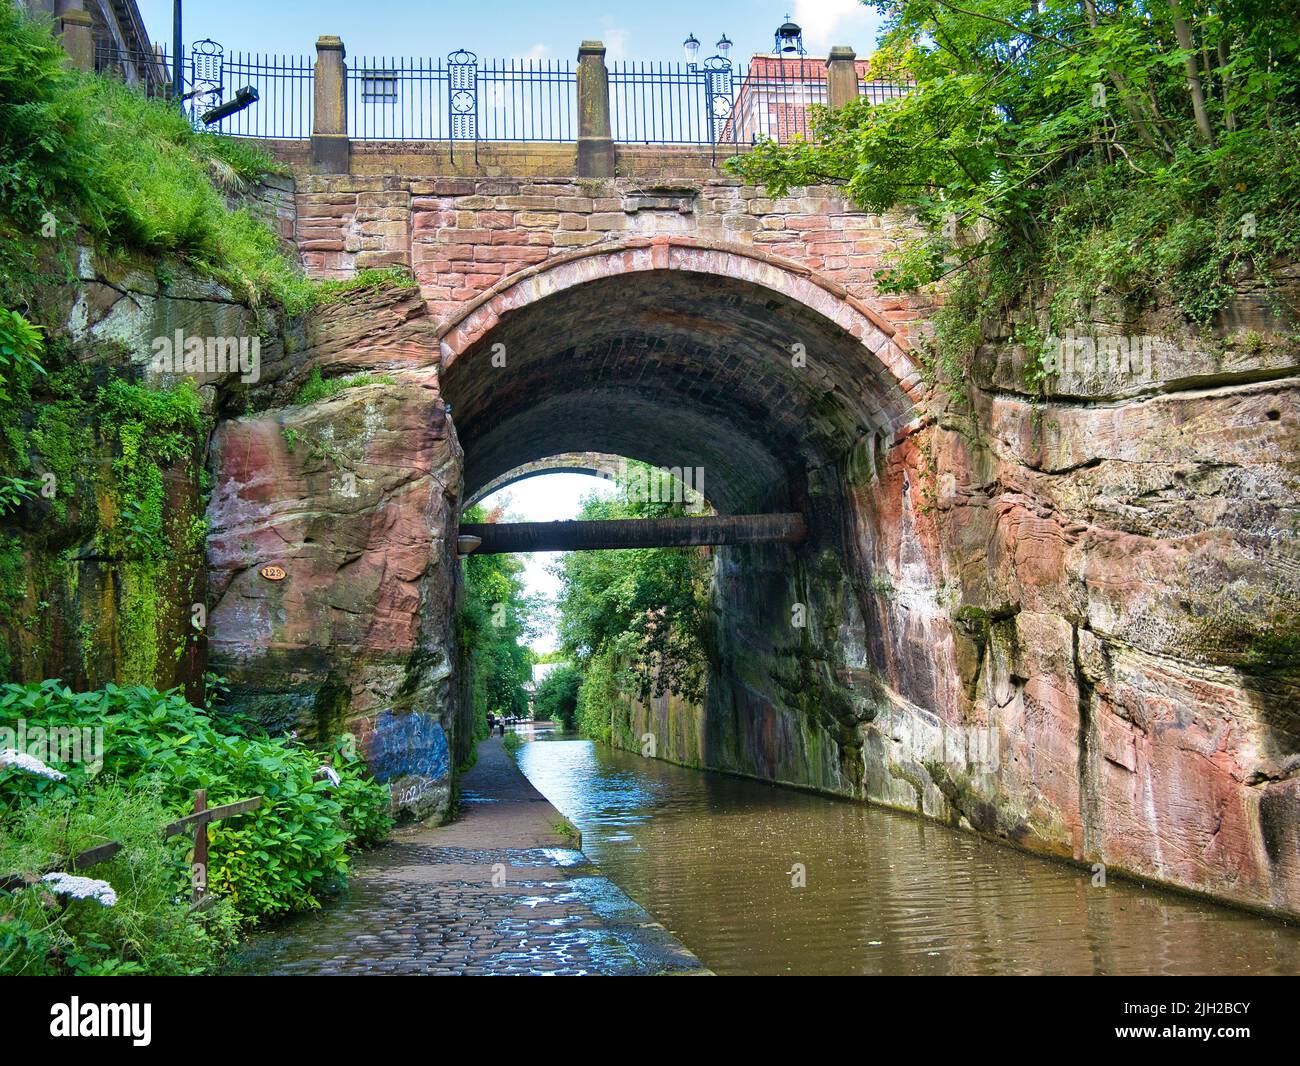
(712, 856)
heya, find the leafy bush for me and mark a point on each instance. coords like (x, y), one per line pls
(1132, 151)
(648, 605)
(557, 695)
(150, 928)
(280, 858)
(492, 625)
(599, 693)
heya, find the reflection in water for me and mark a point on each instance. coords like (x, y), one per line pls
(711, 857)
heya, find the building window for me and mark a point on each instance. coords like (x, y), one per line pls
(379, 86)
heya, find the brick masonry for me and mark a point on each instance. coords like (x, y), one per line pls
(463, 234)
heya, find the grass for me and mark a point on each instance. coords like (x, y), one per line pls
(371, 280)
(317, 388)
(86, 152)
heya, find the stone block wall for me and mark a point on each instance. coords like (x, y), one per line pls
(463, 234)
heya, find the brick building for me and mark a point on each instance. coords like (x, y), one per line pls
(777, 91)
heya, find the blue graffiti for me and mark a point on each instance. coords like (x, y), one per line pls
(408, 744)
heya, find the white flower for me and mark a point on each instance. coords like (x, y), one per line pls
(81, 888)
(30, 763)
(330, 774)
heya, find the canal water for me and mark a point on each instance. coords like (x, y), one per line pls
(717, 859)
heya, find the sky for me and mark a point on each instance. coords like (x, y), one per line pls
(631, 29)
(546, 498)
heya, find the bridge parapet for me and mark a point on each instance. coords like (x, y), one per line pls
(461, 235)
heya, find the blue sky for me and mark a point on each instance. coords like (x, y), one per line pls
(512, 28)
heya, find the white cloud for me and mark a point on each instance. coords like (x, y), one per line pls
(831, 22)
(615, 43)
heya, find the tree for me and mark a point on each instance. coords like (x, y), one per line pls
(557, 696)
(494, 624)
(640, 616)
(1074, 145)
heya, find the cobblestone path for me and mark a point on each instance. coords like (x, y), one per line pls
(499, 891)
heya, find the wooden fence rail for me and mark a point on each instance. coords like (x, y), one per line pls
(199, 820)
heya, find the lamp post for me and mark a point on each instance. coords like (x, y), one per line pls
(716, 75)
(691, 47)
(177, 87)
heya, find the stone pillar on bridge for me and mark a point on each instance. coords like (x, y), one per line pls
(841, 77)
(595, 140)
(330, 150)
(76, 30)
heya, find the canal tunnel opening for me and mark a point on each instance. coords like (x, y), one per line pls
(775, 390)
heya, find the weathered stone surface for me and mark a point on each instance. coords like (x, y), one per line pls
(355, 498)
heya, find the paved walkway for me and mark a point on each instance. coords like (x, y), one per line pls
(498, 891)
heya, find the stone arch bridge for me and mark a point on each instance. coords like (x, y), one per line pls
(982, 636)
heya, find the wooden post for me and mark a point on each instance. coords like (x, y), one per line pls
(199, 869)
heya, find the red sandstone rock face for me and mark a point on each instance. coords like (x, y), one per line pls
(1129, 561)
(355, 498)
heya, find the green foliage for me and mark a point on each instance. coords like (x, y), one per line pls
(150, 928)
(46, 153)
(150, 430)
(493, 625)
(601, 691)
(370, 280)
(89, 150)
(280, 858)
(648, 606)
(1134, 151)
(557, 696)
(22, 346)
(512, 742)
(316, 388)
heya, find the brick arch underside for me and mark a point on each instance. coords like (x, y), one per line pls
(593, 464)
(680, 356)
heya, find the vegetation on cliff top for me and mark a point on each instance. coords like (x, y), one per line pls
(1074, 148)
(85, 151)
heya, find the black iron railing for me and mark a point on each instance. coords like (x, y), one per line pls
(461, 98)
(670, 103)
(464, 98)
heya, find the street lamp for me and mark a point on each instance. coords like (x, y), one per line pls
(246, 97)
(692, 49)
